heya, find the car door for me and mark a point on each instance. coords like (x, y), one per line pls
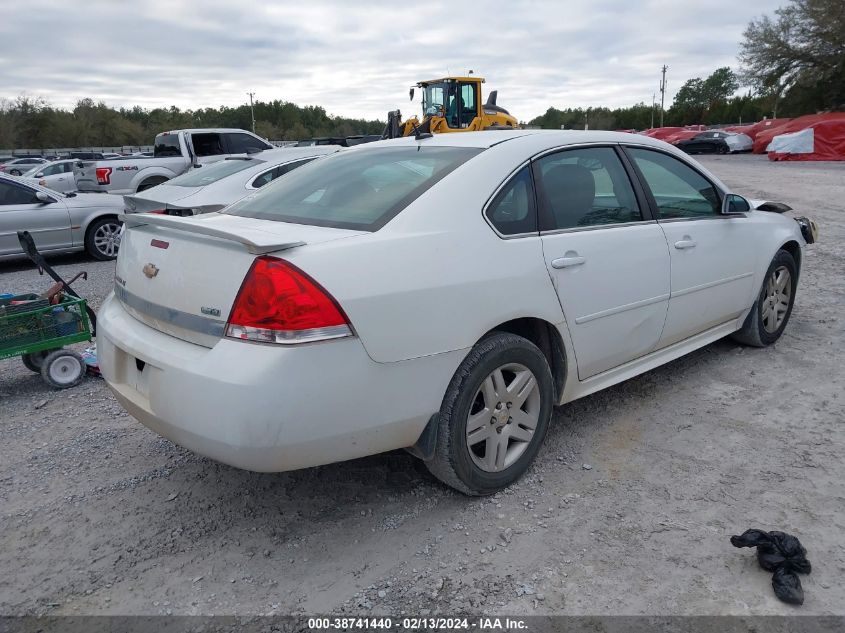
(712, 254)
(20, 210)
(607, 257)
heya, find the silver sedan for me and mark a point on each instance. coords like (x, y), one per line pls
(212, 187)
(57, 175)
(58, 222)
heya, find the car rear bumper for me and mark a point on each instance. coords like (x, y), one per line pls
(268, 408)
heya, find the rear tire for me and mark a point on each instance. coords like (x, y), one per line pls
(770, 313)
(494, 416)
(63, 368)
(34, 362)
(102, 240)
(15, 172)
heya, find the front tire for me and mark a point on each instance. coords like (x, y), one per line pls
(773, 307)
(102, 240)
(494, 416)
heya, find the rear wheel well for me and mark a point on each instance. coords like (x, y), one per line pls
(794, 249)
(150, 182)
(547, 338)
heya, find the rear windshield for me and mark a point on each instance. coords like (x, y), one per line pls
(167, 145)
(361, 189)
(202, 176)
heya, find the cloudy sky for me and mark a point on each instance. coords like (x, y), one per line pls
(359, 58)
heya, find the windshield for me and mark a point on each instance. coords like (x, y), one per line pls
(167, 145)
(212, 173)
(361, 189)
(436, 97)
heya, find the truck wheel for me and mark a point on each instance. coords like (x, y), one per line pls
(494, 415)
(34, 362)
(102, 240)
(63, 368)
(149, 183)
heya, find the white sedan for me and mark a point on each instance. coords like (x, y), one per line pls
(440, 295)
(212, 187)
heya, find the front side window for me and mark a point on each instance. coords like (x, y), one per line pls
(207, 174)
(361, 189)
(585, 187)
(240, 143)
(678, 190)
(513, 210)
(52, 170)
(13, 194)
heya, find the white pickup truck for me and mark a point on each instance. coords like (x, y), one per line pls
(174, 153)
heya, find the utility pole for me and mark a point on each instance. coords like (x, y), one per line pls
(653, 96)
(662, 92)
(252, 110)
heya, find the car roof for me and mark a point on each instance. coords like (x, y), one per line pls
(489, 138)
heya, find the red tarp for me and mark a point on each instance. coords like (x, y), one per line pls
(826, 142)
(683, 135)
(764, 125)
(761, 142)
(662, 132)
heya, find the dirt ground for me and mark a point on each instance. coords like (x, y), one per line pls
(628, 509)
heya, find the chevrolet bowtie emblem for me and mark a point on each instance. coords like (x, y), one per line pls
(150, 270)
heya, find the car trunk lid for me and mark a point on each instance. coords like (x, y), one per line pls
(180, 276)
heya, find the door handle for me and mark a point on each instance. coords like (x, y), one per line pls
(568, 262)
(686, 242)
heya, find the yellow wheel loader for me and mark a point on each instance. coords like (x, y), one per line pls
(451, 104)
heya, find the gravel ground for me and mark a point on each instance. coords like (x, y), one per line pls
(628, 509)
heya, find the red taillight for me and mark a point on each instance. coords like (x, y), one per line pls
(159, 212)
(278, 303)
(103, 175)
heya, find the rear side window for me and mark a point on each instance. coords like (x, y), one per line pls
(359, 189)
(207, 144)
(513, 210)
(11, 193)
(281, 170)
(585, 187)
(165, 145)
(207, 174)
(678, 190)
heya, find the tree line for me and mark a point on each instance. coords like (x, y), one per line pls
(793, 63)
(33, 122)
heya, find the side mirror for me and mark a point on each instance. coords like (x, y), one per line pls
(43, 197)
(734, 204)
(40, 174)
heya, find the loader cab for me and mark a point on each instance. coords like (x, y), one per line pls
(457, 100)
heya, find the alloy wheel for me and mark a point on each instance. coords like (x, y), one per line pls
(503, 417)
(776, 300)
(107, 239)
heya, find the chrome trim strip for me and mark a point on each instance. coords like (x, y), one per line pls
(710, 284)
(720, 216)
(624, 308)
(578, 229)
(184, 320)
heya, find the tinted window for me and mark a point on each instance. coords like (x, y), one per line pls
(360, 189)
(165, 145)
(242, 143)
(50, 170)
(207, 144)
(13, 194)
(207, 174)
(274, 173)
(585, 187)
(679, 190)
(513, 210)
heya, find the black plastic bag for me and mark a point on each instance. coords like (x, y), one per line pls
(782, 554)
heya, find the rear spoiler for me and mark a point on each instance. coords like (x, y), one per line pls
(256, 242)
